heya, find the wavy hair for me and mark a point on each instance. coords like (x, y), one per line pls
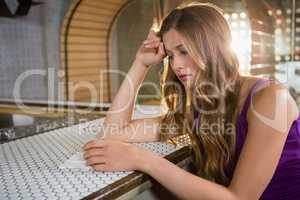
(207, 37)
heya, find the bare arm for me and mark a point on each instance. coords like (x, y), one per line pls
(121, 109)
(139, 130)
(119, 115)
(256, 165)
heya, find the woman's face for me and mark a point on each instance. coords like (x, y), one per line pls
(181, 62)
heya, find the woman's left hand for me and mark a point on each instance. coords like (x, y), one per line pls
(112, 155)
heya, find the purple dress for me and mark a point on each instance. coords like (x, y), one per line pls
(285, 183)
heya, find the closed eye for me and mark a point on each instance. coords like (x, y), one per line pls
(183, 52)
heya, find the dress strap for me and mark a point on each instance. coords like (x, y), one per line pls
(258, 85)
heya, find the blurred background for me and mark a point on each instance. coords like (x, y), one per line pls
(80, 50)
(62, 62)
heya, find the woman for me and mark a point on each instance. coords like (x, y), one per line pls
(246, 140)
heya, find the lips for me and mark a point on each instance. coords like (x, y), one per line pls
(184, 77)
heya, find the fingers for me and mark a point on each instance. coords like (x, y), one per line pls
(101, 167)
(94, 144)
(152, 35)
(151, 44)
(94, 155)
(95, 160)
(94, 152)
(161, 50)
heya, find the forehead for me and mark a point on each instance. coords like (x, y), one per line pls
(171, 39)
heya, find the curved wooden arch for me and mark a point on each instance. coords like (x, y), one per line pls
(85, 45)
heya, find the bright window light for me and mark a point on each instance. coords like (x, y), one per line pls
(241, 38)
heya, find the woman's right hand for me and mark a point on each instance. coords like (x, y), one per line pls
(151, 52)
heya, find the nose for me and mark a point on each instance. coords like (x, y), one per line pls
(177, 64)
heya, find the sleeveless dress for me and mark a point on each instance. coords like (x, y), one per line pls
(285, 183)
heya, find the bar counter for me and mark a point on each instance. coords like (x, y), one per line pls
(31, 161)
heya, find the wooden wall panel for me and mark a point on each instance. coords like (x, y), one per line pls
(84, 47)
(87, 32)
(261, 48)
(263, 70)
(261, 25)
(262, 36)
(83, 63)
(263, 59)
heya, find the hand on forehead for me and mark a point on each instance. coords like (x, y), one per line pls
(152, 35)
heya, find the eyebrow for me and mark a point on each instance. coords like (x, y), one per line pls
(176, 47)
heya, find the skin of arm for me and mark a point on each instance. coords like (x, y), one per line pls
(121, 109)
(119, 116)
(139, 130)
(255, 168)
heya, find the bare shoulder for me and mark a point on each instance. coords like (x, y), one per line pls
(272, 101)
(247, 83)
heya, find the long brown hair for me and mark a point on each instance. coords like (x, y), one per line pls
(206, 35)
